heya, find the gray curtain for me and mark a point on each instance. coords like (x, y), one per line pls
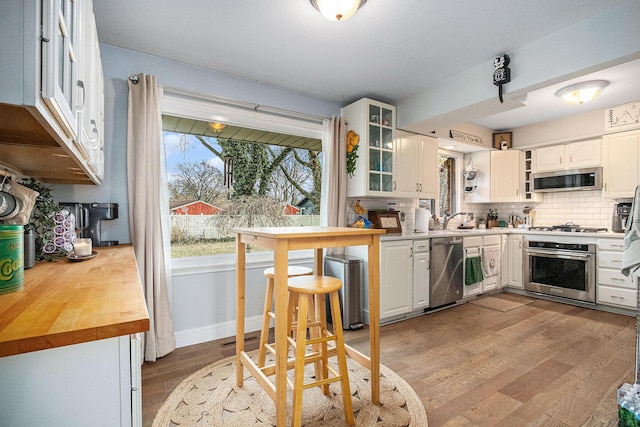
(149, 210)
(334, 175)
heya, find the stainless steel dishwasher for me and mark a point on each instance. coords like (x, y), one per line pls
(445, 274)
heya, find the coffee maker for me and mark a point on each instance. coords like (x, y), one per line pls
(89, 217)
(620, 216)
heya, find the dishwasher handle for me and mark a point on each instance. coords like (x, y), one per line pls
(448, 241)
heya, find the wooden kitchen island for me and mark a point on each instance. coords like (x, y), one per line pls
(69, 342)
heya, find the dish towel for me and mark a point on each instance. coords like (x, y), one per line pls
(473, 271)
(631, 245)
(490, 261)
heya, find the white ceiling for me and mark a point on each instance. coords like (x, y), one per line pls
(389, 50)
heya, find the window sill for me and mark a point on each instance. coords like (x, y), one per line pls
(219, 263)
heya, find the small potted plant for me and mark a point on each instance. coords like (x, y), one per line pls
(42, 217)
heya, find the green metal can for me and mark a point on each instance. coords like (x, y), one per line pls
(11, 258)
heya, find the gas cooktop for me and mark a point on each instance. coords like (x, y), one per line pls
(568, 227)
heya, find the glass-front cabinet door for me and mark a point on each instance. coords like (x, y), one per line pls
(380, 149)
(59, 61)
(374, 122)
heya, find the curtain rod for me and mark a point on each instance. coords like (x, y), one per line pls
(244, 104)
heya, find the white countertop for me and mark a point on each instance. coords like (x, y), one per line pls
(406, 235)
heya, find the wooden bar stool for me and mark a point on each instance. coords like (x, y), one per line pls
(268, 314)
(310, 291)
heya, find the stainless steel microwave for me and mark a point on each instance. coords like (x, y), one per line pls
(568, 180)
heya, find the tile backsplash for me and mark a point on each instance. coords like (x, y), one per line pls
(585, 208)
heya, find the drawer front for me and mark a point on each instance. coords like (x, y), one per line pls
(613, 277)
(610, 259)
(420, 246)
(491, 240)
(610, 244)
(472, 241)
(617, 296)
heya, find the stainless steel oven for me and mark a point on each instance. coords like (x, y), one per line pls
(561, 269)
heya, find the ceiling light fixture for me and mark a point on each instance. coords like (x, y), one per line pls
(580, 93)
(338, 10)
(217, 127)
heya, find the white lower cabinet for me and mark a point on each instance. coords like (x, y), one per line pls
(504, 270)
(514, 260)
(472, 249)
(396, 278)
(91, 384)
(614, 288)
(492, 262)
(420, 274)
(488, 248)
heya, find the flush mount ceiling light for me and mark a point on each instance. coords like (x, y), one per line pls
(338, 10)
(217, 127)
(580, 93)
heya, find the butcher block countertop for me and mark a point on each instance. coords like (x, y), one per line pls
(71, 302)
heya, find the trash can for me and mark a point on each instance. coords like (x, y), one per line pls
(350, 270)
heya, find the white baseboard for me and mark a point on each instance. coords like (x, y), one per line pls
(215, 332)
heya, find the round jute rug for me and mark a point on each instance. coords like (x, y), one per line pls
(210, 397)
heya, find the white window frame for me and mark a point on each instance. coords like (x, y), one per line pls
(177, 102)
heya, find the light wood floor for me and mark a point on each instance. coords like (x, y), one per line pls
(541, 364)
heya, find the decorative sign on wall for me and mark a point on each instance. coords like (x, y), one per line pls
(622, 117)
(465, 137)
(501, 74)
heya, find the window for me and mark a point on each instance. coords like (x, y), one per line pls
(227, 170)
(449, 201)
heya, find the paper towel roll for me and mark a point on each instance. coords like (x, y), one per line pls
(422, 219)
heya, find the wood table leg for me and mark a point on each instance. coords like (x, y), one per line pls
(280, 261)
(318, 266)
(240, 301)
(374, 316)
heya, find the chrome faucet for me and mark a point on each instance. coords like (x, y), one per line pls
(447, 218)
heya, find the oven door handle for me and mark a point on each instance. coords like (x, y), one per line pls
(563, 255)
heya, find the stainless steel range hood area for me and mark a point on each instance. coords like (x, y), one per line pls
(568, 180)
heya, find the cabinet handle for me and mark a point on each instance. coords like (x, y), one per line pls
(410, 252)
(560, 159)
(417, 187)
(617, 246)
(617, 279)
(615, 297)
(421, 187)
(394, 185)
(605, 186)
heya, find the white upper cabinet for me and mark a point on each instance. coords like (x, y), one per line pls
(505, 176)
(568, 156)
(498, 178)
(620, 164)
(48, 48)
(60, 22)
(416, 167)
(90, 103)
(374, 122)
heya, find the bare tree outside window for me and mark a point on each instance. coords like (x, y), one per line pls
(269, 182)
